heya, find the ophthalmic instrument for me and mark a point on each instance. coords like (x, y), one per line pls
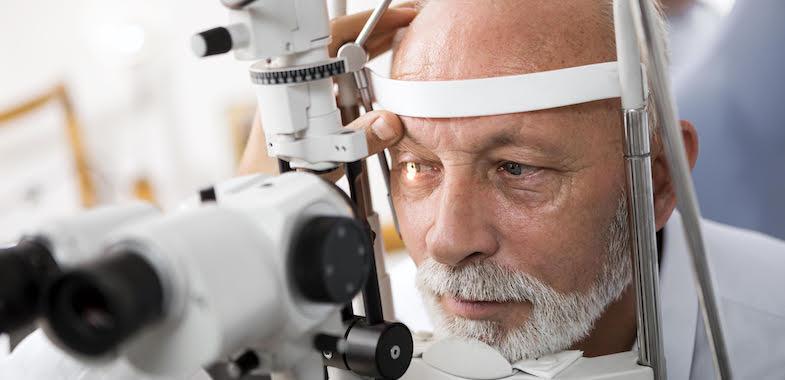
(260, 273)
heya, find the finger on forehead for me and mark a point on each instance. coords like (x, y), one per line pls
(375, 143)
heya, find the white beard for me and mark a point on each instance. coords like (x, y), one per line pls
(557, 320)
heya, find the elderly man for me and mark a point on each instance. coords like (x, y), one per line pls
(517, 222)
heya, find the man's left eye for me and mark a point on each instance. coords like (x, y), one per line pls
(513, 168)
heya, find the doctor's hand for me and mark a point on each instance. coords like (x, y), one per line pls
(382, 129)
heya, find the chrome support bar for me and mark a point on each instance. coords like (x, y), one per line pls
(643, 239)
(653, 45)
(361, 78)
(376, 15)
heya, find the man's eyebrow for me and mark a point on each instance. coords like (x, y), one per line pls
(409, 143)
(410, 139)
(506, 137)
(502, 139)
(512, 136)
(515, 137)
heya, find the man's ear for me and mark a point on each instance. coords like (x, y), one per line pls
(664, 192)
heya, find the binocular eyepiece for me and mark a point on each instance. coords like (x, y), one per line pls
(95, 308)
(25, 271)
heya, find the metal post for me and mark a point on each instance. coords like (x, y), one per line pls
(361, 78)
(372, 299)
(651, 41)
(376, 15)
(643, 238)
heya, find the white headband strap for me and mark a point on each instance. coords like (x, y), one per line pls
(497, 95)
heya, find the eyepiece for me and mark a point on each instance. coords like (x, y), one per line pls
(25, 269)
(94, 309)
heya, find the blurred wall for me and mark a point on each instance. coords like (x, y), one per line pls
(148, 108)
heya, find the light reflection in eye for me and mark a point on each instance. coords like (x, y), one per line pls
(412, 168)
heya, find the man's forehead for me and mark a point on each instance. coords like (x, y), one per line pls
(475, 133)
(553, 131)
(465, 39)
(462, 39)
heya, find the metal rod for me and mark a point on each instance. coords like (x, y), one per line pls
(643, 239)
(371, 297)
(382, 157)
(348, 112)
(361, 78)
(365, 96)
(653, 44)
(365, 187)
(377, 14)
(356, 173)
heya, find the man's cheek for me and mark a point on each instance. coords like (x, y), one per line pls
(412, 227)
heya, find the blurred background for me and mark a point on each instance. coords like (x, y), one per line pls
(102, 101)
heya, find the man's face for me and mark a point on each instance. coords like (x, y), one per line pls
(536, 194)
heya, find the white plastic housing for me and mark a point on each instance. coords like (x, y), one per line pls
(277, 28)
(227, 282)
(628, 54)
(621, 366)
(79, 237)
(301, 121)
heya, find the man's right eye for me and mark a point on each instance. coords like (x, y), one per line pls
(412, 171)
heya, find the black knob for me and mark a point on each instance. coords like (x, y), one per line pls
(331, 259)
(212, 42)
(25, 269)
(95, 308)
(208, 195)
(380, 351)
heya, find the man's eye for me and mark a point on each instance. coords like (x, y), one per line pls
(513, 168)
(412, 170)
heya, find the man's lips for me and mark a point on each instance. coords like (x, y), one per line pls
(472, 309)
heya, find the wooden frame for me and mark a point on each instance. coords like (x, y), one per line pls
(59, 94)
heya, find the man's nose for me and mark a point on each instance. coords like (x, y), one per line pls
(459, 231)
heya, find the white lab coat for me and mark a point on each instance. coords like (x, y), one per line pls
(749, 269)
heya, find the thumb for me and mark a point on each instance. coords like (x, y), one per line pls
(382, 129)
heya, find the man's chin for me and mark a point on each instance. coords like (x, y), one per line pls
(502, 326)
